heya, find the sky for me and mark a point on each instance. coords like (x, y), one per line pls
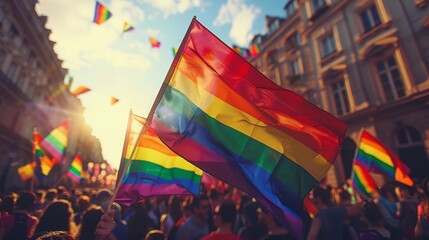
(124, 65)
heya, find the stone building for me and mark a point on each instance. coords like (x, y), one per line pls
(365, 61)
(33, 93)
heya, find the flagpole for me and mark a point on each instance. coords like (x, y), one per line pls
(33, 150)
(124, 147)
(352, 175)
(119, 182)
(170, 73)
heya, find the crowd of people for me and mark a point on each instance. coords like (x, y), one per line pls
(394, 212)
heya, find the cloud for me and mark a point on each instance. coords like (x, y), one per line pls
(80, 40)
(241, 17)
(172, 7)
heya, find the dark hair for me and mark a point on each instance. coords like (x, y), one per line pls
(251, 212)
(26, 200)
(197, 200)
(56, 217)
(372, 212)
(90, 219)
(227, 211)
(324, 195)
(52, 235)
(51, 194)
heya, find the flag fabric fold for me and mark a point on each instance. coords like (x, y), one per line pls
(154, 169)
(374, 157)
(56, 142)
(101, 13)
(76, 169)
(44, 163)
(221, 114)
(26, 172)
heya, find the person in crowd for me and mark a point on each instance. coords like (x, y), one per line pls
(173, 214)
(82, 203)
(105, 227)
(20, 224)
(103, 197)
(387, 203)
(90, 219)
(196, 226)
(421, 229)
(155, 235)
(51, 195)
(372, 216)
(121, 230)
(406, 211)
(224, 215)
(8, 205)
(275, 230)
(254, 228)
(57, 217)
(139, 223)
(328, 221)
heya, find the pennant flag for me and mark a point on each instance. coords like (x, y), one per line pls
(174, 51)
(44, 163)
(254, 50)
(56, 142)
(242, 51)
(373, 156)
(154, 43)
(127, 28)
(75, 170)
(220, 113)
(101, 13)
(155, 170)
(113, 100)
(26, 172)
(80, 90)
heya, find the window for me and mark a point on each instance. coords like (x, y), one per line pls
(294, 68)
(290, 8)
(11, 70)
(370, 18)
(316, 4)
(274, 25)
(341, 98)
(390, 79)
(328, 45)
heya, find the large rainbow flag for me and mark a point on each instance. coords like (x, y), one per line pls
(101, 13)
(76, 169)
(56, 142)
(374, 157)
(154, 169)
(221, 114)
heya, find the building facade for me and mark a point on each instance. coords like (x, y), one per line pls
(365, 61)
(33, 93)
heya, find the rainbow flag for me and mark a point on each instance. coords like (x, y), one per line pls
(221, 114)
(127, 27)
(80, 90)
(44, 163)
(174, 51)
(113, 101)
(154, 169)
(26, 172)
(76, 169)
(362, 180)
(101, 13)
(56, 142)
(310, 207)
(254, 50)
(154, 43)
(242, 51)
(373, 156)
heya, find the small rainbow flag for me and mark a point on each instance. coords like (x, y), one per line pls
(26, 172)
(56, 141)
(154, 169)
(373, 156)
(174, 51)
(362, 180)
(127, 27)
(101, 14)
(254, 50)
(75, 170)
(45, 164)
(242, 51)
(154, 43)
(113, 100)
(80, 90)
